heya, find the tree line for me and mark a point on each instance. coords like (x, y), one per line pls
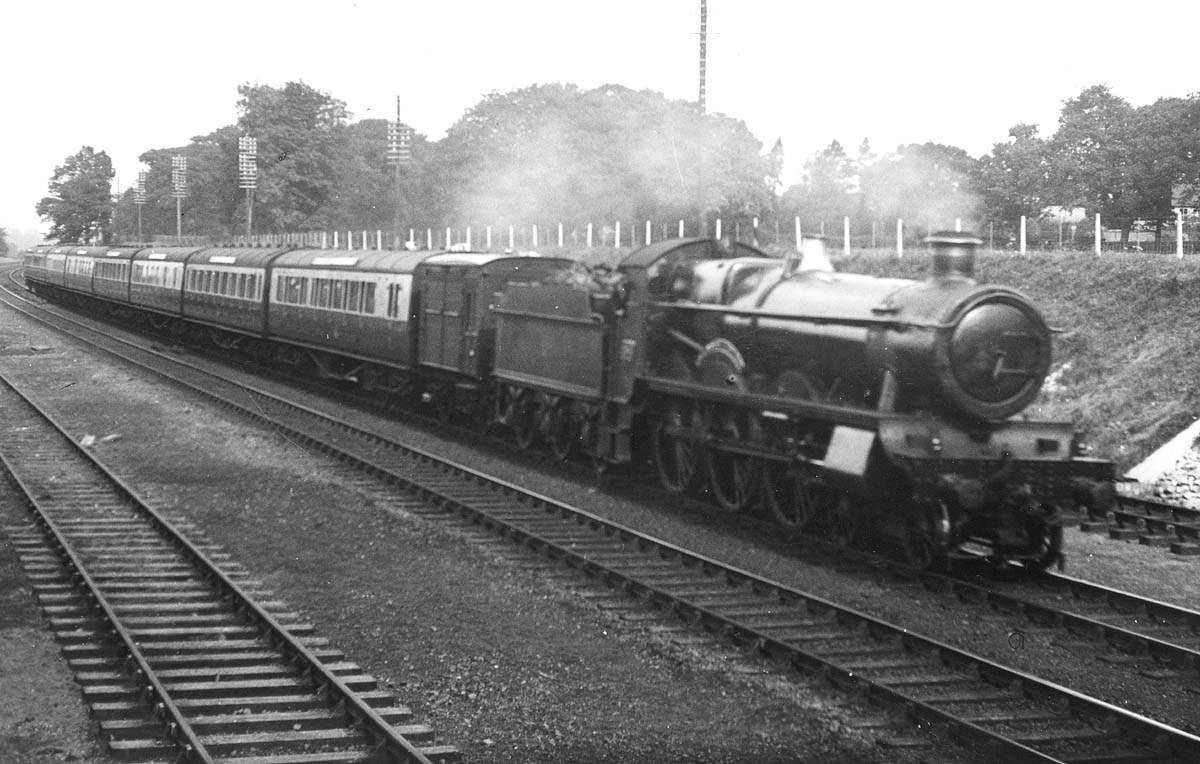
(557, 153)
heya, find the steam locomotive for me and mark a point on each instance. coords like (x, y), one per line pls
(837, 403)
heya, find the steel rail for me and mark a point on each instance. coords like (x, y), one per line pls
(356, 710)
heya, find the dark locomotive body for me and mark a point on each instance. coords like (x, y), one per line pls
(837, 402)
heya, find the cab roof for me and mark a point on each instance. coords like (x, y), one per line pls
(699, 248)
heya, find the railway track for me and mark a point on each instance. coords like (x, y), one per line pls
(180, 656)
(998, 712)
(1151, 523)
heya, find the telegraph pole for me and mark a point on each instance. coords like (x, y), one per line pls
(248, 176)
(700, 174)
(399, 153)
(703, 49)
(139, 200)
(179, 182)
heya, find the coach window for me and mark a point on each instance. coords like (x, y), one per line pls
(393, 308)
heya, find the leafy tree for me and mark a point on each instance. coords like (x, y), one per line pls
(929, 185)
(556, 152)
(1013, 179)
(1091, 156)
(828, 190)
(214, 206)
(79, 206)
(1165, 151)
(3, 243)
(300, 131)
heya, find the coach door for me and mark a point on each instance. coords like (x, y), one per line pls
(441, 311)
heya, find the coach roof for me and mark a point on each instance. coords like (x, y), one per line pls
(166, 254)
(388, 261)
(125, 253)
(242, 257)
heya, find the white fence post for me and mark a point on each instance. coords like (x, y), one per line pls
(1179, 232)
(1022, 243)
(488, 235)
(1099, 234)
(560, 235)
(681, 228)
(718, 228)
(617, 236)
(510, 238)
(647, 241)
(589, 235)
(899, 237)
(846, 235)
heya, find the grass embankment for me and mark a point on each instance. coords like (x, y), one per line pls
(1127, 366)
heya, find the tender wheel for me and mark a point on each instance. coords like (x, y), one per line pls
(564, 432)
(443, 404)
(843, 520)
(795, 494)
(525, 420)
(676, 446)
(734, 478)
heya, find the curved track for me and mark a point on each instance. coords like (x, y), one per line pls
(998, 712)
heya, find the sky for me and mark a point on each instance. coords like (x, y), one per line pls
(126, 76)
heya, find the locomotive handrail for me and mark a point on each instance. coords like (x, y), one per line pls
(591, 320)
(842, 320)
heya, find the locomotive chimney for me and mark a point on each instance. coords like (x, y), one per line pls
(953, 254)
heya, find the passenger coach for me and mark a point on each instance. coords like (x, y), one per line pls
(354, 305)
(156, 280)
(224, 288)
